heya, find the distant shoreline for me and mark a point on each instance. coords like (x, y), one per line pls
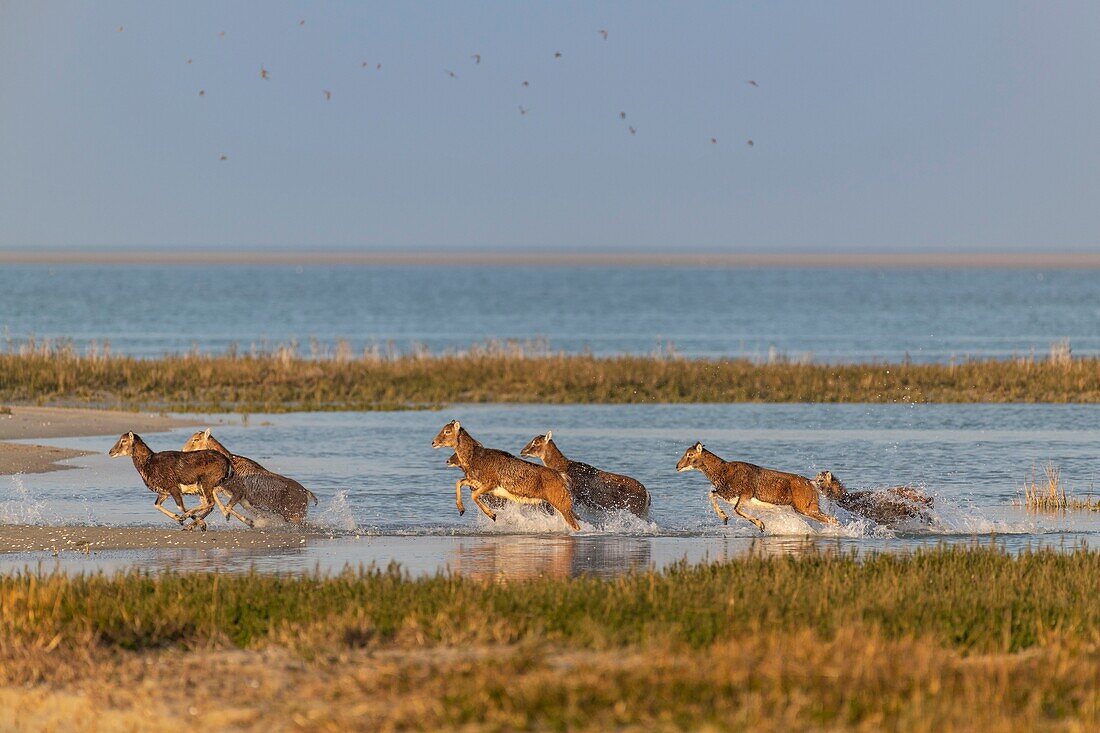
(483, 258)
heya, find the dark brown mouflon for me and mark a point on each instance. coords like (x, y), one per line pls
(254, 486)
(495, 471)
(736, 482)
(888, 506)
(592, 487)
(175, 473)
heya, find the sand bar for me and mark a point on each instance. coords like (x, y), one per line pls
(33, 538)
(28, 423)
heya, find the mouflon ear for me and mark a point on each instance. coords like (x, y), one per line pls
(828, 476)
(130, 435)
(457, 425)
(698, 447)
(549, 435)
(206, 433)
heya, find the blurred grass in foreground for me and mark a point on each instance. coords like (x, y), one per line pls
(284, 380)
(948, 639)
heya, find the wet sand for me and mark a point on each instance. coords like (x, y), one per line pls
(28, 423)
(33, 538)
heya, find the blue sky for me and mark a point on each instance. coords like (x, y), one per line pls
(877, 125)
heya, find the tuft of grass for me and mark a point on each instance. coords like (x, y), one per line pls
(945, 639)
(284, 380)
(1050, 495)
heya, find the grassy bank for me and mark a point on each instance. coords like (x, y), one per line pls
(284, 381)
(942, 640)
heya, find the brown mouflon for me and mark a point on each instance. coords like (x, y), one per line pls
(500, 473)
(175, 473)
(735, 482)
(888, 506)
(254, 486)
(592, 487)
(493, 501)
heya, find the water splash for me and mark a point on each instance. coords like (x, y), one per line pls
(515, 518)
(617, 522)
(23, 507)
(337, 515)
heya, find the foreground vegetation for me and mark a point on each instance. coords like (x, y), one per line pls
(284, 380)
(940, 640)
(1049, 494)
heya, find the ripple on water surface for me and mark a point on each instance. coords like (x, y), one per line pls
(385, 494)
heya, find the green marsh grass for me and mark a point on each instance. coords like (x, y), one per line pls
(945, 639)
(284, 380)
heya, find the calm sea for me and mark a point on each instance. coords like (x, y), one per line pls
(827, 315)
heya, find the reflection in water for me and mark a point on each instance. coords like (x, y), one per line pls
(521, 558)
(497, 558)
(513, 558)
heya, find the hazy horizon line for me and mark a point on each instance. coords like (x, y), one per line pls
(560, 257)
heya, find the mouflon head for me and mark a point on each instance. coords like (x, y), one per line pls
(198, 441)
(537, 447)
(829, 485)
(692, 458)
(448, 435)
(124, 446)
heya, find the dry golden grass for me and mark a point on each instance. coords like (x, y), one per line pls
(772, 681)
(336, 379)
(944, 640)
(1049, 494)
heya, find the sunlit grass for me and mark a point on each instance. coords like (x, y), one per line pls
(972, 600)
(938, 640)
(284, 380)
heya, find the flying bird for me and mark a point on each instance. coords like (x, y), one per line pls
(188, 60)
(221, 35)
(522, 110)
(202, 92)
(750, 143)
(752, 83)
(526, 84)
(557, 54)
(302, 21)
(120, 29)
(622, 115)
(714, 141)
(264, 74)
(328, 94)
(378, 67)
(477, 58)
(631, 128)
(451, 73)
(603, 33)
(224, 157)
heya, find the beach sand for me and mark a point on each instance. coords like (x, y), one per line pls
(34, 538)
(28, 423)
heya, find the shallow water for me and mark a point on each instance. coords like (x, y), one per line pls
(829, 315)
(386, 495)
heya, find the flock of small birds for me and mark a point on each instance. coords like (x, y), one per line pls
(476, 58)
